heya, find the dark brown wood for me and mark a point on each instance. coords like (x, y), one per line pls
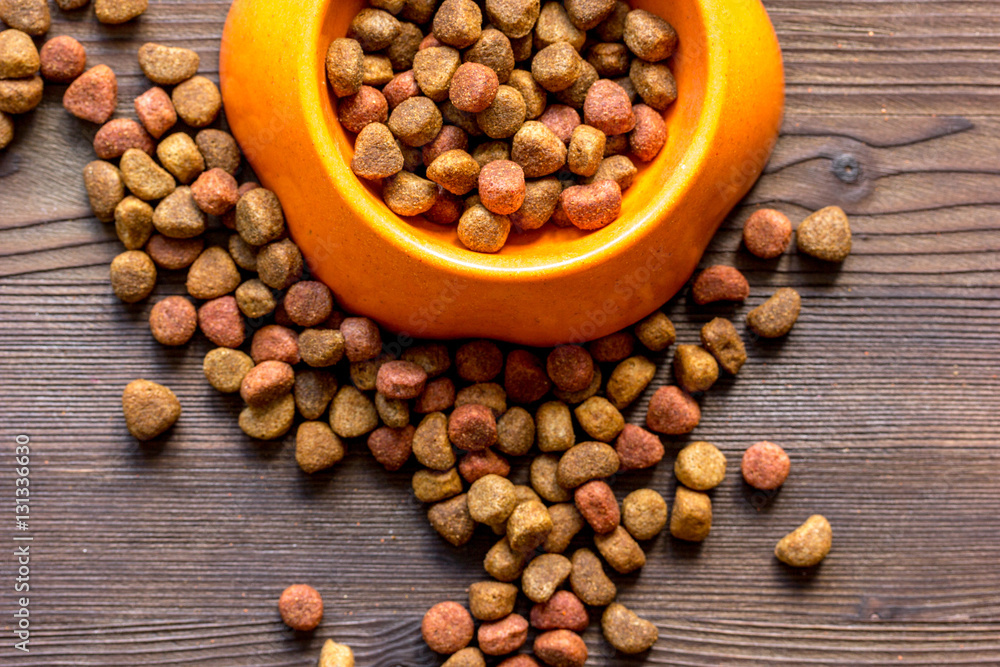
(886, 395)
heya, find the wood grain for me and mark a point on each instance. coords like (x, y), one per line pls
(886, 395)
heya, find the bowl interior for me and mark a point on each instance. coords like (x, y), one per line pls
(550, 247)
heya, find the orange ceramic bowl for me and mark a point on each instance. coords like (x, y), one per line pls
(545, 287)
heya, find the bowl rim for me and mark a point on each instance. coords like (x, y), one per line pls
(600, 246)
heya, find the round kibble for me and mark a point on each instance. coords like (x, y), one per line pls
(765, 466)
(150, 409)
(401, 380)
(611, 60)
(409, 195)
(391, 447)
(597, 504)
(629, 380)
(275, 343)
(491, 499)
(586, 461)
(570, 367)
(554, 427)
(525, 379)
(352, 414)
(301, 607)
(608, 108)
(357, 111)
(405, 46)
(439, 394)
(767, 233)
(480, 230)
(562, 120)
(644, 514)
(700, 466)
(255, 299)
(173, 321)
(586, 150)
(458, 23)
(308, 303)
(656, 332)
(266, 382)
(225, 369)
(807, 545)
(472, 427)
(502, 187)
(776, 316)
(144, 178)
(450, 138)
(492, 600)
(317, 447)
(515, 18)
(30, 16)
(538, 150)
(215, 191)
(648, 36)
(505, 116)
(540, 200)
(19, 96)
(473, 87)
(174, 254)
(575, 397)
(515, 432)
(133, 276)
(494, 50)
(280, 264)
(374, 29)
(456, 171)
(197, 101)
(269, 421)
(554, 26)
(654, 82)
(617, 168)
(557, 67)
(447, 628)
(599, 419)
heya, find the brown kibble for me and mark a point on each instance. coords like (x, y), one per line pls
(502, 187)
(434, 68)
(776, 316)
(155, 111)
(29, 16)
(374, 29)
(825, 235)
(525, 379)
(554, 427)
(616, 145)
(221, 151)
(407, 194)
(266, 382)
(133, 276)
(308, 303)
(174, 254)
(620, 551)
(450, 138)
(18, 55)
(644, 514)
(391, 447)
(105, 189)
(301, 607)
(115, 12)
(626, 83)
(503, 636)
(418, 11)
(144, 178)
(458, 23)
(6, 130)
(648, 36)
(597, 504)
(439, 394)
(672, 411)
(587, 14)
(567, 522)
(456, 171)
(588, 580)
(179, 155)
(540, 200)
(694, 368)
(656, 332)
(321, 348)
(259, 217)
(225, 369)
(586, 461)
(561, 648)
(612, 28)
(19, 96)
(478, 361)
(720, 283)
(654, 82)
(167, 65)
(336, 655)
(213, 274)
(480, 230)
(608, 108)
(275, 343)
(629, 379)
(345, 66)
(592, 206)
(403, 49)
(515, 18)
(317, 447)
(617, 168)
(197, 101)
(93, 95)
(362, 338)
(625, 631)
(280, 264)
(535, 97)
(576, 95)
(432, 486)
(491, 499)
(700, 466)
(133, 222)
(528, 526)
(765, 466)
(434, 358)
(563, 611)
(215, 192)
(610, 59)
(377, 70)
(570, 367)
(600, 419)
(173, 321)
(222, 323)
(721, 339)
(447, 628)
(557, 67)
(313, 392)
(515, 432)
(416, 121)
(807, 545)
(543, 575)
(352, 413)
(650, 133)
(691, 518)
(586, 150)
(255, 299)
(494, 50)
(554, 26)
(538, 150)
(150, 409)
(767, 233)
(505, 116)
(473, 87)
(638, 448)
(544, 470)
(491, 600)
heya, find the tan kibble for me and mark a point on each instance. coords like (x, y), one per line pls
(515, 432)
(220, 150)
(566, 523)
(620, 551)
(345, 66)
(540, 200)
(648, 36)
(544, 575)
(611, 60)
(19, 96)
(105, 189)
(407, 194)
(434, 68)
(376, 154)
(557, 67)
(504, 563)
(825, 235)
(416, 121)
(644, 514)
(255, 299)
(259, 217)
(144, 178)
(586, 461)
(493, 49)
(431, 446)
(528, 526)
(133, 222)
(150, 409)
(543, 479)
(461, 119)
(352, 414)
(269, 421)
(656, 332)
(617, 168)
(612, 28)
(313, 392)
(654, 82)
(115, 12)
(776, 316)
(691, 517)
(491, 600)
(456, 171)
(586, 150)
(505, 116)
(177, 216)
(807, 545)
(534, 96)
(576, 95)
(374, 29)
(554, 26)
(626, 632)
(133, 276)
(18, 55)
(458, 23)
(700, 466)
(197, 101)
(482, 231)
(600, 419)
(538, 150)
(280, 264)
(225, 369)
(336, 655)
(491, 499)
(695, 369)
(322, 347)
(394, 412)
(451, 520)
(721, 338)
(179, 154)
(376, 71)
(6, 130)
(317, 447)
(167, 65)
(629, 379)
(213, 274)
(403, 49)
(433, 486)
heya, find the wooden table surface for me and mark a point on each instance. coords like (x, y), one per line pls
(886, 395)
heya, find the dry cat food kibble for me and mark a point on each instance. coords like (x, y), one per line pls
(150, 409)
(301, 607)
(765, 466)
(807, 545)
(510, 91)
(447, 628)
